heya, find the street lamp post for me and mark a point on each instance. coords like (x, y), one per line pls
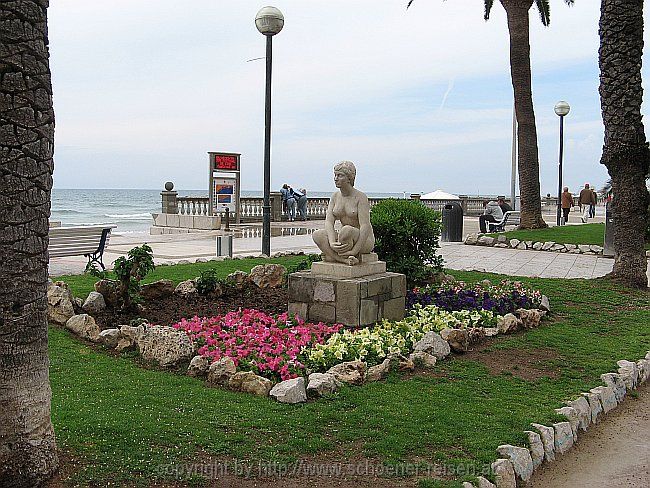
(561, 109)
(269, 21)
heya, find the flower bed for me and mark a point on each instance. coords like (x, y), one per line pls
(457, 319)
(243, 350)
(506, 297)
(267, 345)
(373, 344)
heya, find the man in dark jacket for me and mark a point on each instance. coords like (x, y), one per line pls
(492, 213)
(504, 206)
(567, 203)
(586, 200)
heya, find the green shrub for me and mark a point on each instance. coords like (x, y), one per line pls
(93, 270)
(208, 281)
(407, 234)
(304, 264)
(130, 271)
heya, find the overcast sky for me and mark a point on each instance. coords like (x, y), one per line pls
(418, 99)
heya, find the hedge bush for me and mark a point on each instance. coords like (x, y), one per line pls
(407, 234)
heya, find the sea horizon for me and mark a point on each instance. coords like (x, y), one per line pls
(131, 208)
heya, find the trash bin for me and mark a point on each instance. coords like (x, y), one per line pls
(452, 222)
(608, 248)
(224, 246)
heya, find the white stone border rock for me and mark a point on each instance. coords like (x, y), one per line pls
(549, 246)
(547, 442)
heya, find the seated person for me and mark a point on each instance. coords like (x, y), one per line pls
(504, 206)
(352, 208)
(492, 213)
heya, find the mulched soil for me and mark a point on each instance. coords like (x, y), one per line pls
(168, 311)
(527, 364)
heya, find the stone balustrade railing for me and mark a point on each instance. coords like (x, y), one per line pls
(251, 207)
(193, 205)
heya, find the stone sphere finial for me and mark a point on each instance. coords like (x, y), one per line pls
(169, 186)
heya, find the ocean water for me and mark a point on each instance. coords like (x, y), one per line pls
(130, 209)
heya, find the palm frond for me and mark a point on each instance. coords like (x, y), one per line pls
(606, 190)
(409, 4)
(488, 7)
(544, 9)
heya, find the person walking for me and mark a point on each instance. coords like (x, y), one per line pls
(592, 210)
(567, 203)
(492, 213)
(301, 203)
(586, 200)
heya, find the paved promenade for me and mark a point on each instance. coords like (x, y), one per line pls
(524, 263)
(296, 236)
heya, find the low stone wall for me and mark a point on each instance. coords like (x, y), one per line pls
(504, 242)
(178, 224)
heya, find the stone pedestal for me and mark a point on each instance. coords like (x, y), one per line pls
(344, 297)
(369, 265)
(169, 202)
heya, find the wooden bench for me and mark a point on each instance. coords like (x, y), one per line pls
(509, 218)
(81, 240)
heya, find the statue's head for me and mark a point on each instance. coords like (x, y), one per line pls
(347, 168)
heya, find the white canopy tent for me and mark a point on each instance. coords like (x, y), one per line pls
(439, 195)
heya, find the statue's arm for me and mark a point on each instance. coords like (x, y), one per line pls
(365, 228)
(330, 220)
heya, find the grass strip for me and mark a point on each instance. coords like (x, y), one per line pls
(566, 234)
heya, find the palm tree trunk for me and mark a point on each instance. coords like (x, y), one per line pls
(528, 162)
(27, 444)
(625, 153)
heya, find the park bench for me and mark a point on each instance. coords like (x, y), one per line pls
(509, 218)
(81, 240)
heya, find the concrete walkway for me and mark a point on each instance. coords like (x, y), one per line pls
(296, 236)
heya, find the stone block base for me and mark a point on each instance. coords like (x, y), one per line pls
(192, 222)
(157, 231)
(355, 301)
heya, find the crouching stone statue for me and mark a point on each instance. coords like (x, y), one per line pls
(351, 207)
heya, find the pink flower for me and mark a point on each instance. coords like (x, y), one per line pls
(269, 345)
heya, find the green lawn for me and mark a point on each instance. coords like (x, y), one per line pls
(125, 424)
(566, 234)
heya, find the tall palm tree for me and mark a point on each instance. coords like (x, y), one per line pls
(528, 159)
(27, 444)
(625, 153)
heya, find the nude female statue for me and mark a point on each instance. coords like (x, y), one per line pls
(352, 208)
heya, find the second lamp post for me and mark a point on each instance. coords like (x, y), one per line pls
(561, 109)
(269, 21)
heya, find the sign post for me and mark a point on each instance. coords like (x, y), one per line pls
(224, 183)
